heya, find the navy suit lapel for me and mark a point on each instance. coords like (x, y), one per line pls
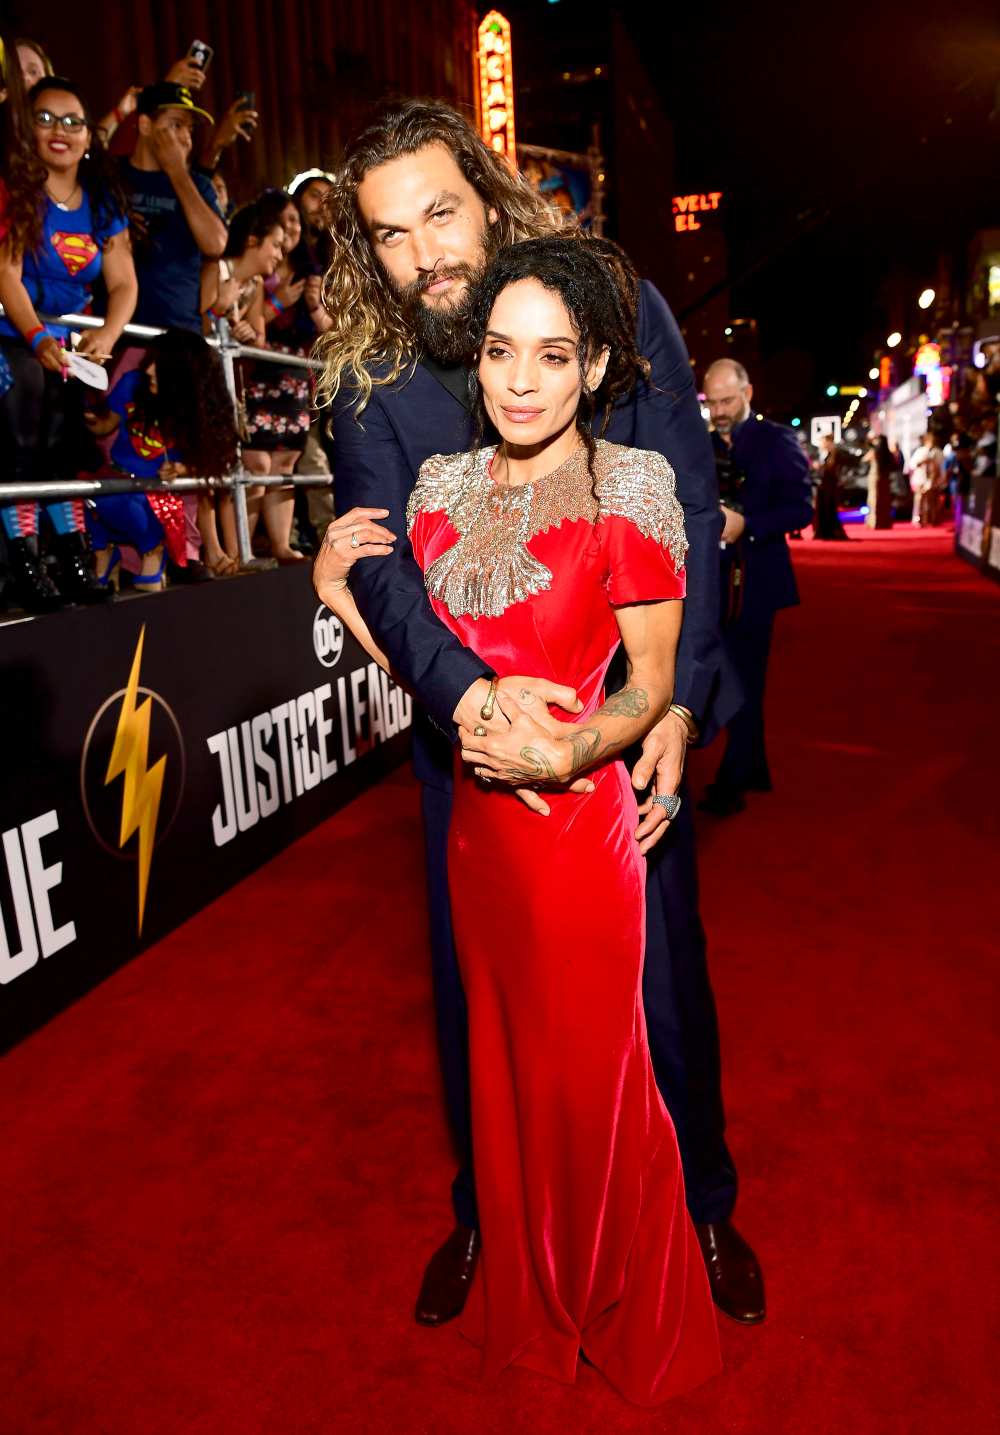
(453, 378)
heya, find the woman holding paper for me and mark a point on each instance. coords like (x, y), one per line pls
(84, 237)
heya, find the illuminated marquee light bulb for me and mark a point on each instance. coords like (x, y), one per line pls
(873, 373)
(926, 299)
(894, 339)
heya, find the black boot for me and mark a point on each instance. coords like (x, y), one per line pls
(77, 580)
(30, 587)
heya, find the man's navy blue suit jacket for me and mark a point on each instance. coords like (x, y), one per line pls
(776, 497)
(376, 462)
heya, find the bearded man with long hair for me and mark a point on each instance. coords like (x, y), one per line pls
(416, 211)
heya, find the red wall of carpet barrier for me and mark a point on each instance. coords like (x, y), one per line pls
(158, 751)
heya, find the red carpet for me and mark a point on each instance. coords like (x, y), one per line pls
(224, 1169)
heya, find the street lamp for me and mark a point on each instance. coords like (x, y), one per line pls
(926, 299)
(894, 338)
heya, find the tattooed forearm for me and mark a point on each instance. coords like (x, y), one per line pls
(585, 746)
(630, 703)
(588, 744)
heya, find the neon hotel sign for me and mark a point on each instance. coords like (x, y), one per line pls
(496, 85)
(687, 208)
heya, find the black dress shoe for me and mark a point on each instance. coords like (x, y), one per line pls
(722, 801)
(448, 1278)
(734, 1273)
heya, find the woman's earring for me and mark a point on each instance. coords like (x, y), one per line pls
(86, 154)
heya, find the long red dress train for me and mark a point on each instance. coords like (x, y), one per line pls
(587, 1243)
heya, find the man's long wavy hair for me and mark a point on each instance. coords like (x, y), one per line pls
(368, 324)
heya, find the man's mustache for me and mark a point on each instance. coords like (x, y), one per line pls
(421, 284)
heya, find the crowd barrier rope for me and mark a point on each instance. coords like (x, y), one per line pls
(230, 351)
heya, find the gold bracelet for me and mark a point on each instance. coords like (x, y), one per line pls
(687, 718)
(486, 711)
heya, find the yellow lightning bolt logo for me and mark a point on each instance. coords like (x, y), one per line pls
(143, 784)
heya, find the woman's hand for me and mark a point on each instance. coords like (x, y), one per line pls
(50, 355)
(169, 470)
(244, 333)
(97, 344)
(290, 292)
(314, 292)
(336, 555)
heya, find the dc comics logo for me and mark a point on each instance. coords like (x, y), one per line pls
(328, 637)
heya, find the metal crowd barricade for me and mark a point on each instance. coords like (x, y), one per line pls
(229, 351)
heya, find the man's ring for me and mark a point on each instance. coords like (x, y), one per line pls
(670, 803)
(355, 540)
(479, 731)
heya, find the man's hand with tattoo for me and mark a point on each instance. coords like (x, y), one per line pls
(531, 753)
(531, 696)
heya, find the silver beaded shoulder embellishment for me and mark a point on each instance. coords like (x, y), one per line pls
(640, 485)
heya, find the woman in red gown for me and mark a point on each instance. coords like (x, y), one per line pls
(542, 554)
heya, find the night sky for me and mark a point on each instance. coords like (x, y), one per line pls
(855, 144)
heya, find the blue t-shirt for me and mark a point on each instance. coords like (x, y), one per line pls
(138, 449)
(167, 259)
(60, 273)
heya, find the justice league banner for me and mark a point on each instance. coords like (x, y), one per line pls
(158, 750)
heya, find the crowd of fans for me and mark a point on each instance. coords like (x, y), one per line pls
(127, 216)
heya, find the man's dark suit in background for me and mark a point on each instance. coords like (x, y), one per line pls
(757, 581)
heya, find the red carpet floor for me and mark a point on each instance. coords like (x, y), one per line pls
(224, 1169)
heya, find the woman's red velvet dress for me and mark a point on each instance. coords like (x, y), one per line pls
(587, 1243)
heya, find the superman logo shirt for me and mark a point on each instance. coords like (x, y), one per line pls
(59, 275)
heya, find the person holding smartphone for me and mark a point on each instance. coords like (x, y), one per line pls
(178, 209)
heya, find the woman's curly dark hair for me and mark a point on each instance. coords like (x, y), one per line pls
(600, 289)
(23, 173)
(98, 172)
(192, 407)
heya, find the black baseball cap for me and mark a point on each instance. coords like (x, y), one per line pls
(165, 95)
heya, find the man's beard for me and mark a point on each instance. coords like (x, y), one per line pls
(443, 330)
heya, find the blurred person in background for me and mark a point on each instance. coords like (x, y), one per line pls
(826, 499)
(310, 194)
(279, 401)
(764, 488)
(171, 416)
(22, 178)
(880, 466)
(83, 237)
(927, 480)
(35, 63)
(234, 294)
(221, 188)
(179, 212)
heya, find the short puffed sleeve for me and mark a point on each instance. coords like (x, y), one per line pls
(642, 526)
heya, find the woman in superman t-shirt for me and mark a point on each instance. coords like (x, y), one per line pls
(42, 435)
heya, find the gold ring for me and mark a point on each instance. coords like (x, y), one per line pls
(479, 731)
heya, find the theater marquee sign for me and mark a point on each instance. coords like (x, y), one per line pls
(158, 752)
